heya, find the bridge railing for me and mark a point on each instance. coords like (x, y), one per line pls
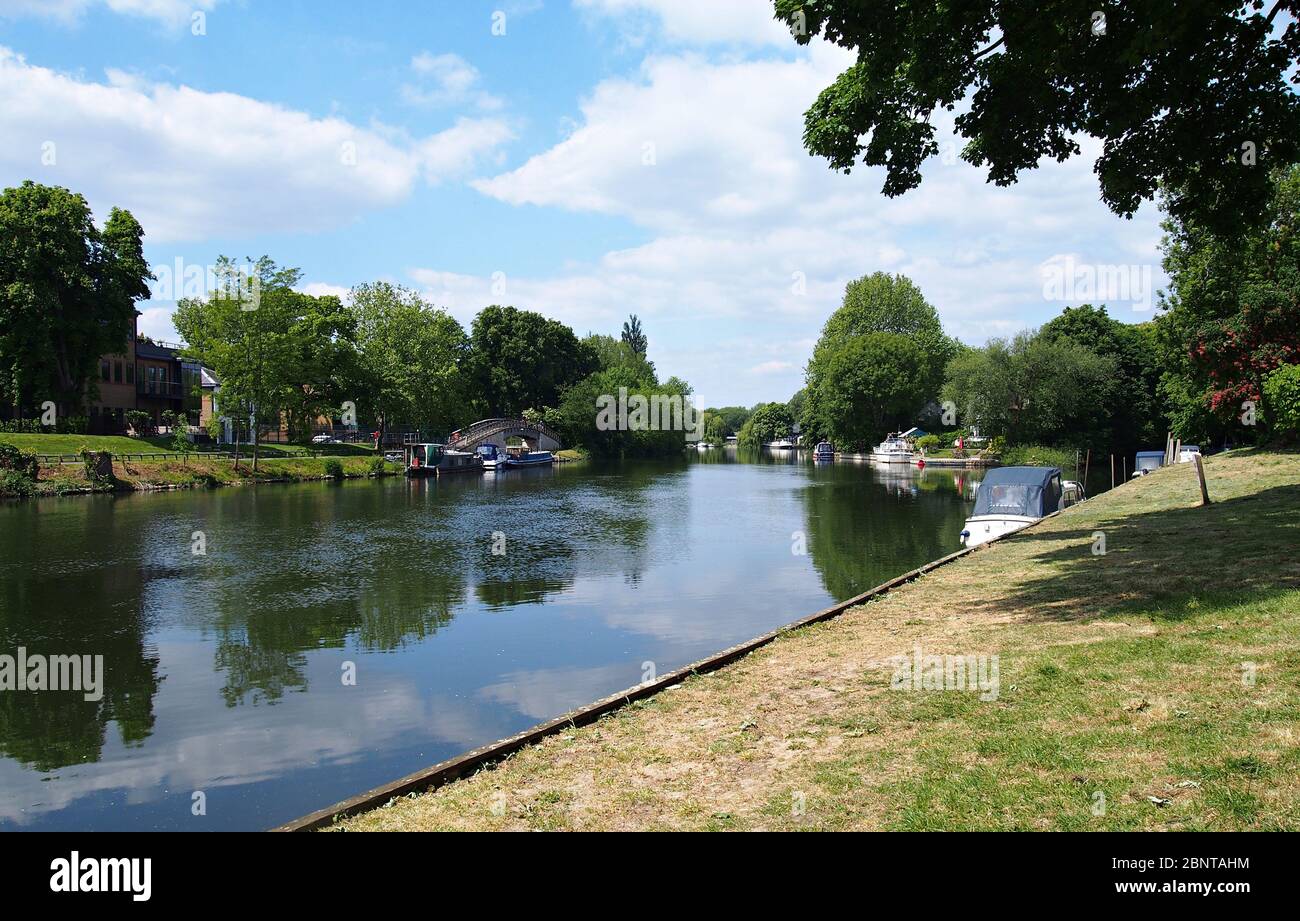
(487, 427)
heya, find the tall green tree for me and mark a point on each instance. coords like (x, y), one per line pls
(413, 361)
(67, 294)
(634, 336)
(768, 422)
(1131, 416)
(263, 341)
(1030, 390)
(616, 353)
(1232, 315)
(877, 303)
(522, 360)
(870, 385)
(1195, 94)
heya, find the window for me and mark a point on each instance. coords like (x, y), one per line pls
(130, 373)
(117, 372)
(104, 370)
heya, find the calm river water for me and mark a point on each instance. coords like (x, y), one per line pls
(225, 673)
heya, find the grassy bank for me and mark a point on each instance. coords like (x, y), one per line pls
(163, 444)
(1152, 687)
(71, 479)
(1040, 456)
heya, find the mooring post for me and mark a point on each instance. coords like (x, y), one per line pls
(1200, 478)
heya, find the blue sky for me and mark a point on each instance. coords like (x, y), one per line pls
(600, 157)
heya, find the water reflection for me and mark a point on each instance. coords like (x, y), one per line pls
(223, 671)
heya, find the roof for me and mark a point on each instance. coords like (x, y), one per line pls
(1151, 454)
(150, 350)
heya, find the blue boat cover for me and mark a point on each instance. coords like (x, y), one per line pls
(1030, 491)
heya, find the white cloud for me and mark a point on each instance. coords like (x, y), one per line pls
(168, 12)
(752, 240)
(446, 80)
(700, 22)
(193, 165)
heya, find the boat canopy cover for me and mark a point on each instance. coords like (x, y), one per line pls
(1151, 454)
(1029, 491)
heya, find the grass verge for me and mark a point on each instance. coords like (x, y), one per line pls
(69, 479)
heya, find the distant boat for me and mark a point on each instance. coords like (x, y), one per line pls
(1011, 498)
(781, 444)
(1146, 461)
(1187, 453)
(492, 455)
(529, 459)
(704, 446)
(824, 451)
(893, 450)
(437, 460)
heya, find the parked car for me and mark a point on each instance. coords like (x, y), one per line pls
(324, 440)
(395, 457)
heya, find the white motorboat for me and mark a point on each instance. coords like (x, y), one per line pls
(824, 451)
(893, 450)
(1011, 498)
(493, 457)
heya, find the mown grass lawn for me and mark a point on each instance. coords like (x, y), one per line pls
(1155, 686)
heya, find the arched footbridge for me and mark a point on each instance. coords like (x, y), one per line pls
(536, 435)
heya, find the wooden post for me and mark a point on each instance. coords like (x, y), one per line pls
(1125, 469)
(1112, 471)
(1087, 461)
(1200, 477)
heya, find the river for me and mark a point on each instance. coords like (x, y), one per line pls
(332, 637)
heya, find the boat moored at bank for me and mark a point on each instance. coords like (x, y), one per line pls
(893, 450)
(1011, 498)
(437, 460)
(492, 455)
(516, 459)
(824, 452)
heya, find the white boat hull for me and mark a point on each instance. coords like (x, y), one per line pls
(985, 528)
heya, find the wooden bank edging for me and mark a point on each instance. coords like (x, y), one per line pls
(446, 771)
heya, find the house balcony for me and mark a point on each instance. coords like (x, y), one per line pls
(162, 390)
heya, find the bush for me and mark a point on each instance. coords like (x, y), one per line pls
(19, 462)
(13, 483)
(72, 425)
(929, 442)
(98, 466)
(21, 427)
(140, 421)
(334, 469)
(1282, 401)
(377, 466)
